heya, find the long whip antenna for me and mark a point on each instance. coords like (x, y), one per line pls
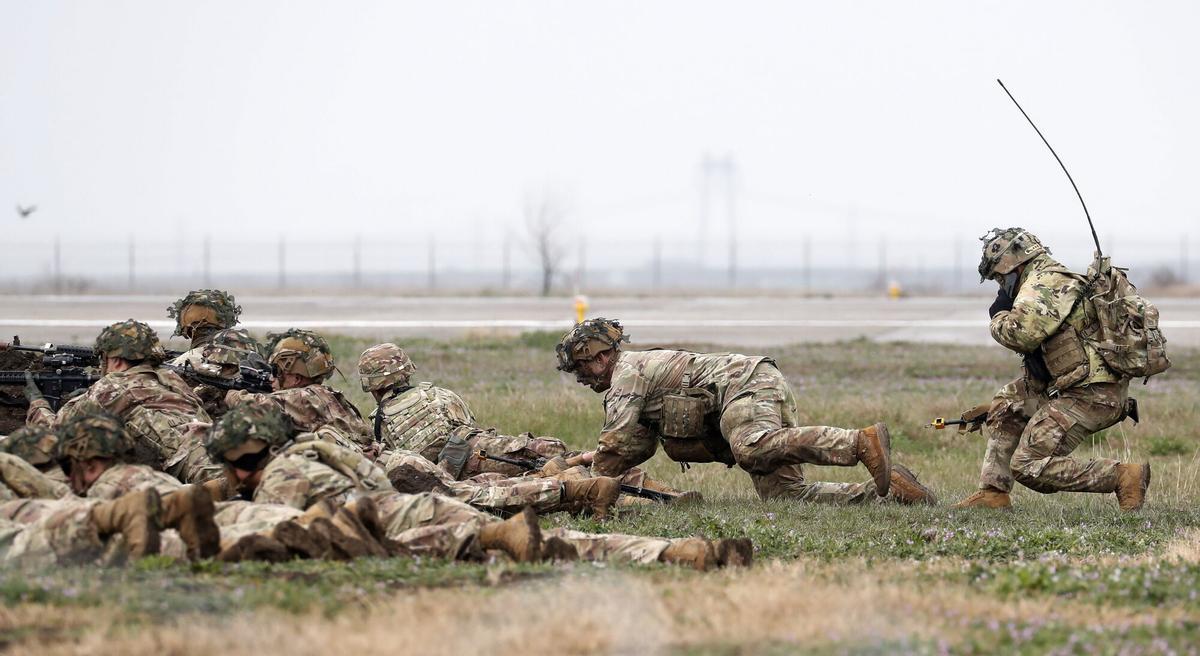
(1060, 163)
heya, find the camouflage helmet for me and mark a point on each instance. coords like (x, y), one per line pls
(204, 307)
(384, 366)
(301, 352)
(587, 339)
(258, 419)
(130, 340)
(36, 445)
(95, 434)
(1004, 249)
(233, 346)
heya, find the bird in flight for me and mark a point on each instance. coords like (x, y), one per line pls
(26, 211)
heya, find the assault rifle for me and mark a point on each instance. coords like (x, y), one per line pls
(972, 420)
(64, 355)
(249, 378)
(56, 386)
(534, 464)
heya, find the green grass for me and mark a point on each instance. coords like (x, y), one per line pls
(1075, 551)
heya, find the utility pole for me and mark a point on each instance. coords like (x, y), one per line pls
(432, 262)
(958, 265)
(883, 282)
(706, 170)
(807, 264)
(581, 264)
(207, 264)
(731, 215)
(57, 265)
(282, 262)
(358, 261)
(131, 263)
(1183, 259)
(506, 262)
(656, 263)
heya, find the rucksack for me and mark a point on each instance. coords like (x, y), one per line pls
(1125, 331)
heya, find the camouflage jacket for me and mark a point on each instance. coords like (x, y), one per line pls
(312, 470)
(314, 407)
(123, 478)
(420, 418)
(1048, 300)
(156, 405)
(634, 400)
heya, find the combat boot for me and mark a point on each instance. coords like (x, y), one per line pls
(696, 553)
(341, 545)
(347, 521)
(986, 498)
(300, 540)
(255, 546)
(320, 509)
(367, 512)
(558, 549)
(595, 494)
(1132, 483)
(519, 536)
(137, 516)
(189, 510)
(874, 450)
(734, 552)
(906, 489)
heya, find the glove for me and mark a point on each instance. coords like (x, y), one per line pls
(1003, 303)
(32, 393)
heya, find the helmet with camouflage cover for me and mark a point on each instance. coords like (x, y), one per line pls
(93, 434)
(35, 445)
(130, 340)
(587, 339)
(232, 348)
(1004, 249)
(258, 419)
(204, 308)
(301, 352)
(383, 367)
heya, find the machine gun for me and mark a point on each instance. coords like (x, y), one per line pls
(534, 464)
(56, 386)
(250, 379)
(64, 355)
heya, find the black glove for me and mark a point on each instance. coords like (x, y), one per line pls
(1035, 364)
(32, 393)
(1003, 303)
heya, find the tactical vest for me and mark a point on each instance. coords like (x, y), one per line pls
(351, 464)
(416, 420)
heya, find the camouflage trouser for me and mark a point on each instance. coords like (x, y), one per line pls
(614, 547)
(1030, 437)
(762, 431)
(523, 447)
(432, 525)
(237, 519)
(21, 480)
(41, 532)
(411, 474)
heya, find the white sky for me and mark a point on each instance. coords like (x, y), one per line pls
(401, 119)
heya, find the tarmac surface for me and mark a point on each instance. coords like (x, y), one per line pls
(741, 321)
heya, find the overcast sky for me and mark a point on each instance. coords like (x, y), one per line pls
(401, 119)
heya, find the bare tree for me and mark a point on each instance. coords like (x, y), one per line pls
(545, 214)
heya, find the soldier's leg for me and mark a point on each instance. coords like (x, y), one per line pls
(431, 524)
(1010, 412)
(788, 482)
(412, 474)
(613, 547)
(62, 532)
(1042, 460)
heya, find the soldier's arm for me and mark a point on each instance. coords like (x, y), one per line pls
(624, 443)
(284, 483)
(458, 409)
(1041, 306)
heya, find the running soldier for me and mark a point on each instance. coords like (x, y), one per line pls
(727, 408)
(161, 413)
(1066, 393)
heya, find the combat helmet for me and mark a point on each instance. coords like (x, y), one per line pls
(587, 339)
(258, 419)
(383, 367)
(35, 445)
(130, 340)
(1004, 249)
(301, 352)
(232, 348)
(204, 309)
(93, 434)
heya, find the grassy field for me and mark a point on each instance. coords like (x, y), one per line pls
(1065, 573)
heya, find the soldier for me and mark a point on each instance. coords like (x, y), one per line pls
(1066, 392)
(301, 361)
(727, 408)
(29, 466)
(198, 316)
(260, 454)
(223, 357)
(437, 424)
(38, 532)
(160, 411)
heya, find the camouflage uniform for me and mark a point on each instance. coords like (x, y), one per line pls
(1033, 425)
(223, 357)
(155, 404)
(122, 478)
(40, 532)
(493, 492)
(28, 465)
(22, 480)
(315, 407)
(757, 427)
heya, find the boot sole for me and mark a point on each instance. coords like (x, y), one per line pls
(885, 446)
(923, 494)
(205, 531)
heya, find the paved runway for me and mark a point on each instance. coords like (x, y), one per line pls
(743, 321)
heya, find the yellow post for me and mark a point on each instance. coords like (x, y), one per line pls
(894, 290)
(581, 307)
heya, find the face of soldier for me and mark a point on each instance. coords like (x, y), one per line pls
(596, 372)
(244, 465)
(111, 364)
(85, 473)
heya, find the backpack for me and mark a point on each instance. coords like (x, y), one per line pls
(1125, 331)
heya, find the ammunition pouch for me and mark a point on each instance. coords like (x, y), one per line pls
(453, 456)
(705, 449)
(684, 411)
(1065, 358)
